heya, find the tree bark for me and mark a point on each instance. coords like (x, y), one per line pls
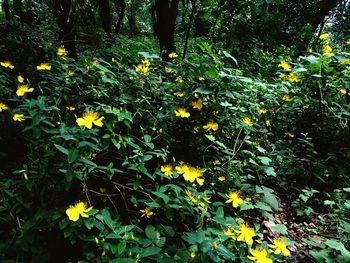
(317, 17)
(105, 16)
(188, 30)
(6, 8)
(65, 19)
(17, 7)
(121, 15)
(164, 26)
(132, 21)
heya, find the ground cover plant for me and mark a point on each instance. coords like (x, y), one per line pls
(114, 151)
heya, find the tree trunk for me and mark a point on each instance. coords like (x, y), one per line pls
(164, 26)
(132, 21)
(105, 16)
(121, 15)
(188, 30)
(6, 8)
(17, 7)
(65, 20)
(315, 19)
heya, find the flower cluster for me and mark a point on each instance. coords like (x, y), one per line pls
(143, 67)
(7, 64)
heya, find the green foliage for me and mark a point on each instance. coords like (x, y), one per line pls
(177, 159)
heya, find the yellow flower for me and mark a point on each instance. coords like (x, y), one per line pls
(146, 212)
(285, 65)
(179, 79)
(207, 199)
(345, 60)
(18, 117)
(286, 98)
(168, 70)
(293, 77)
(190, 196)
(142, 68)
(167, 170)
(79, 209)
(70, 108)
(262, 111)
(259, 256)
(201, 78)
(7, 64)
(324, 36)
(247, 121)
(222, 178)
(94, 62)
(214, 246)
(280, 247)
(181, 112)
(268, 123)
(289, 134)
(190, 174)
(343, 91)
(235, 199)
(246, 234)
(20, 79)
(90, 118)
(348, 42)
(217, 162)
(23, 89)
(173, 55)
(142, 81)
(193, 254)
(61, 51)
(3, 106)
(197, 104)
(146, 62)
(230, 233)
(259, 241)
(211, 126)
(178, 94)
(44, 66)
(327, 50)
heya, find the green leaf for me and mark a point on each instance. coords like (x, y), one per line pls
(164, 197)
(263, 206)
(339, 247)
(228, 55)
(61, 149)
(246, 206)
(225, 252)
(147, 138)
(271, 200)
(280, 228)
(264, 160)
(123, 260)
(150, 251)
(151, 232)
(270, 171)
(194, 238)
(121, 247)
(201, 90)
(73, 155)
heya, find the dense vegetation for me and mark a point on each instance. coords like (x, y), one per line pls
(174, 131)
